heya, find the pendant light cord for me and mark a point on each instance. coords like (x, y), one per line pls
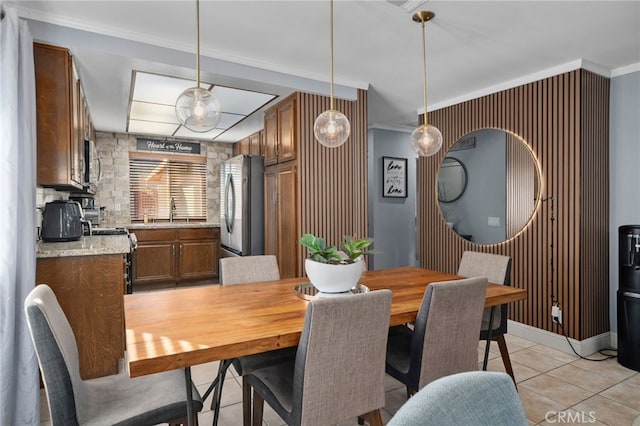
(331, 60)
(424, 75)
(198, 43)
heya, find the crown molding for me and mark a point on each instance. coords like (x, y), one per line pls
(520, 81)
(625, 70)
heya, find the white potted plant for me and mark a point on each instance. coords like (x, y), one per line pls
(331, 271)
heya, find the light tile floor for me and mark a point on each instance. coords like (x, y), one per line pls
(555, 388)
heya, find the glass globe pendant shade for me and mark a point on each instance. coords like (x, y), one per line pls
(426, 140)
(332, 128)
(198, 110)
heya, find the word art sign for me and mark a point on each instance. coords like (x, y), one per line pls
(394, 177)
(168, 146)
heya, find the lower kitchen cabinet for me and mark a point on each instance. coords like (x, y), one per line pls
(90, 291)
(166, 258)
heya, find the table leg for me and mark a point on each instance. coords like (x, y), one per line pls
(486, 349)
(187, 380)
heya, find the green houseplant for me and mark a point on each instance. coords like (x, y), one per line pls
(330, 270)
(320, 251)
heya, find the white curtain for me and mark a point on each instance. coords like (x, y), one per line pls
(19, 383)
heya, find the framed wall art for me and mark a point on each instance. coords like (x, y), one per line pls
(394, 177)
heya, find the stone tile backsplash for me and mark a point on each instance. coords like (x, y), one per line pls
(113, 187)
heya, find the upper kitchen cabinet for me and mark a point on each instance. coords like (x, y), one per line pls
(63, 121)
(255, 143)
(280, 132)
(251, 145)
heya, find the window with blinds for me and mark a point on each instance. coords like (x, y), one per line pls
(159, 181)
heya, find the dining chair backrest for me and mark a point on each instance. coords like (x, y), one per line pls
(248, 269)
(57, 354)
(496, 269)
(445, 337)
(113, 399)
(339, 368)
(471, 398)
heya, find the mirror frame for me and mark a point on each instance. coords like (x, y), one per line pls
(466, 179)
(539, 179)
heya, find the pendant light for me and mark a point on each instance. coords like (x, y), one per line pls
(198, 109)
(426, 139)
(332, 127)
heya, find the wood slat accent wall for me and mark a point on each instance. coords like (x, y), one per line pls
(563, 252)
(332, 181)
(594, 187)
(521, 185)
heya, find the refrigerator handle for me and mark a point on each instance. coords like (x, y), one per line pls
(230, 207)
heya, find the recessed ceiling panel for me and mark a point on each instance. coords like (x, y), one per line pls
(153, 101)
(183, 132)
(151, 128)
(240, 101)
(229, 120)
(153, 112)
(158, 89)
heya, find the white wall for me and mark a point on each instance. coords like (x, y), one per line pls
(624, 163)
(391, 220)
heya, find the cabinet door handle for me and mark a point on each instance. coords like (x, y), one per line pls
(173, 249)
(180, 249)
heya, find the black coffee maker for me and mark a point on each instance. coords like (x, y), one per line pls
(629, 297)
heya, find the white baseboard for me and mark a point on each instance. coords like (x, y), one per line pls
(614, 339)
(559, 342)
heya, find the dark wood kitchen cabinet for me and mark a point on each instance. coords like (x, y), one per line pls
(170, 257)
(155, 258)
(90, 291)
(280, 132)
(251, 145)
(280, 192)
(63, 121)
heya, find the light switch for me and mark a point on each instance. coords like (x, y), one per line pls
(494, 221)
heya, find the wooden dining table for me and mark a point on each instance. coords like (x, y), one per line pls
(167, 330)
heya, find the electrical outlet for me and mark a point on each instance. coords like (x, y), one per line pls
(556, 314)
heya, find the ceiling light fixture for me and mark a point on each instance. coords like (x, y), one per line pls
(426, 139)
(198, 109)
(332, 127)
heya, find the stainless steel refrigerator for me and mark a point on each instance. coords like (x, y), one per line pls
(242, 206)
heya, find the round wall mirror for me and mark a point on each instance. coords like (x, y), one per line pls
(452, 180)
(488, 186)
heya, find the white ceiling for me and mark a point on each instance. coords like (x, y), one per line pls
(473, 47)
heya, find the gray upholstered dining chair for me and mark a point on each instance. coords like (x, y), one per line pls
(471, 398)
(110, 400)
(444, 339)
(496, 268)
(338, 371)
(244, 270)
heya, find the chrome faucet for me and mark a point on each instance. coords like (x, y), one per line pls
(172, 209)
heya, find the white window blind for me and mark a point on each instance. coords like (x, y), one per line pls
(156, 180)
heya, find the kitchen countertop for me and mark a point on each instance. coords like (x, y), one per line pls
(165, 225)
(85, 246)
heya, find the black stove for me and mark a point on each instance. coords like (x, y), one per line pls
(109, 231)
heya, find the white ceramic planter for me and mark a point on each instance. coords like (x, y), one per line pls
(333, 278)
